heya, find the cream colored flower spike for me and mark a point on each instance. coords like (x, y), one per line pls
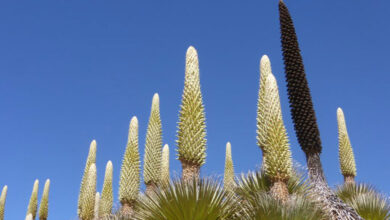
(165, 177)
(3, 197)
(129, 182)
(29, 217)
(90, 160)
(262, 109)
(96, 207)
(346, 156)
(153, 145)
(278, 161)
(89, 196)
(44, 205)
(106, 200)
(33, 204)
(228, 178)
(192, 126)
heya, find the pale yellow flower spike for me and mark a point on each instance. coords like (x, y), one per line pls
(129, 182)
(29, 217)
(153, 145)
(165, 178)
(96, 207)
(90, 160)
(3, 197)
(346, 156)
(106, 200)
(228, 178)
(88, 199)
(44, 205)
(191, 133)
(33, 204)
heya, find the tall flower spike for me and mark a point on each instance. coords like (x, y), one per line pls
(165, 178)
(346, 157)
(29, 217)
(44, 205)
(96, 207)
(91, 159)
(278, 161)
(152, 157)
(129, 182)
(33, 204)
(228, 177)
(89, 195)
(106, 200)
(3, 197)
(304, 118)
(191, 133)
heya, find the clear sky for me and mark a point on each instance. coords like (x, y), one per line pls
(74, 71)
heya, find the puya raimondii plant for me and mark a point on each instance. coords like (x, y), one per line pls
(305, 122)
(33, 203)
(87, 200)
(106, 199)
(346, 157)
(3, 197)
(165, 176)
(129, 182)
(228, 177)
(153, 145)
(44, 205)
(191, 142)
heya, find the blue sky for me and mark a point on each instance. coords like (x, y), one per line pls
(73, 71)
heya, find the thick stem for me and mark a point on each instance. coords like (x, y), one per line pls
(336, 209)
(348, 179)
(279, 191)
(127, 209)
(151, 187)
(190, 171)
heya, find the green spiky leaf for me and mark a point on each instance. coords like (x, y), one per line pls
(228, 178)
(88, 200)
(192, 126)
(33, 204)
(165, 176)
(44, 205)
(106, 200)
(346, 156)
(153, 145)
(129, 182)
(91, 159)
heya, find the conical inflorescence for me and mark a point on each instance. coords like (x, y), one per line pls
(88, 199)
(33, 203)
(191, 134)
(129, 182)
(96, 206)
(106, 199)
(3, 197)
(153, 145)
(346, 156)
(44, 205)
(165, 177)
(228, 177)
(91, 159)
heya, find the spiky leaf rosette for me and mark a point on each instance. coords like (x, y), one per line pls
(90, 160)
(96, 207)
(33, 204)
(346, 157)
(262, 110)
(106, 200)
(192, 126)
(302, 111)
(153, 145)
(3, 196)
(129, 182)
(165, 178)
(44, 205)
(228, 177)
(88, 200)
(278, 162)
